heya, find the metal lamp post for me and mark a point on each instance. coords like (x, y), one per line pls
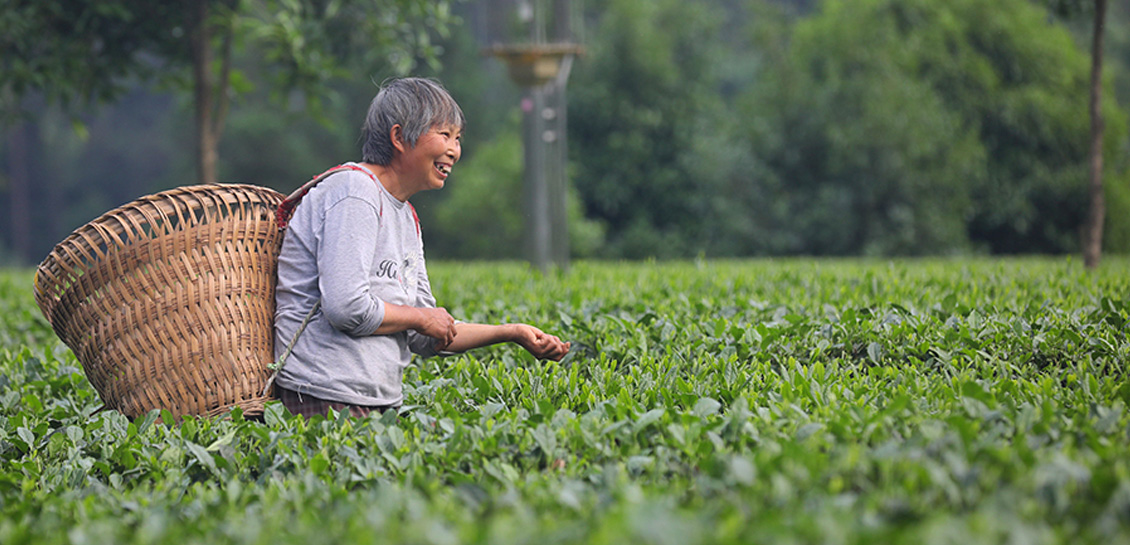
(542, 68)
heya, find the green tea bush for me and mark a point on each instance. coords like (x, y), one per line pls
(801, 401)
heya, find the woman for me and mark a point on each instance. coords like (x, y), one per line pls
(352, 261)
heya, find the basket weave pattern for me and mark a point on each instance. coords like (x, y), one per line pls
(168, 301)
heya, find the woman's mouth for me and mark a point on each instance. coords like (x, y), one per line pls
(443, 168)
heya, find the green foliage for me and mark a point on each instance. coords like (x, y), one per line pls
(882, 127)
(732, 402)
(907, 127)
(78, 51)
(300, 146)
(313, 42)
(292, 51)
(642, 113)
(481, 213)
(90, 52)
(696, 128)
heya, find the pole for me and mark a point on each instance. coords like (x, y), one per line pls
(538, 209)
(557, 141)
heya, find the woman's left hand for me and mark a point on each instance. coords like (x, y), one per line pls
(540, 344)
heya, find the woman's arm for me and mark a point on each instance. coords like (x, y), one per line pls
(433, 322)
(451, 336)
(541, 345)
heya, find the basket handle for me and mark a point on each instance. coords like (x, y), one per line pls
(278, 365)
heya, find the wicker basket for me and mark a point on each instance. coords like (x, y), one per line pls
(168, 301)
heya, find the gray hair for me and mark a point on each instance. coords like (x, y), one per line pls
(417, 105)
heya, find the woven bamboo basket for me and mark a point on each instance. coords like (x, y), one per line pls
(168, 301)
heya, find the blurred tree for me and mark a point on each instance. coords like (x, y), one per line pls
(67, 178)
(916, 127)
(488, 98)
(1093, 239)
(78, 54)
(1096, 212)
(642, 102)
(89, 51)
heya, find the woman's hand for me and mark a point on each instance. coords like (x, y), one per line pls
(433, 322)
(436, 323)
(541, 345)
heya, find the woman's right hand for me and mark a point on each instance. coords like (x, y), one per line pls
(438, 324)
(433, 322)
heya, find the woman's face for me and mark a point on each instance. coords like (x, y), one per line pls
(434, 155)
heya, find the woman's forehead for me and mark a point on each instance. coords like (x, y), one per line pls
(448, 127)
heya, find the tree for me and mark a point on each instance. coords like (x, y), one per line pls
(920, 127)
(1096, 211)
(1093, 243)
(643, 104)
(89, 52)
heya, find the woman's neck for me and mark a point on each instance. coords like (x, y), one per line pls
(387, 177)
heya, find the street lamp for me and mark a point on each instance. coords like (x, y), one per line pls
(534, 65)
(542, 68)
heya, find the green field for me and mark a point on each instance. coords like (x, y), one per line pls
(785, 401)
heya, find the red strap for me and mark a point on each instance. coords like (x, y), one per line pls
(286, 208)
(415, 217)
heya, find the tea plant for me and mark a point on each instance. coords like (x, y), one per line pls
(971, 401)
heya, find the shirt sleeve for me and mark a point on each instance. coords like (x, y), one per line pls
(345, 259)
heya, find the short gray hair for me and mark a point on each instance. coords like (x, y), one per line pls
(416, 104)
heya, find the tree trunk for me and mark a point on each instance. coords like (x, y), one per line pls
(210, 97)
(202, 94)
(19, 185)
(1093, 238)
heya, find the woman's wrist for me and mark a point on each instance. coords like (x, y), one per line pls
(417, 318)
(512, 332)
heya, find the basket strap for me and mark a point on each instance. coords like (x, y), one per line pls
(415, 217)
(286, 208)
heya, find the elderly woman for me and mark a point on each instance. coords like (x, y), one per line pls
(352, 265)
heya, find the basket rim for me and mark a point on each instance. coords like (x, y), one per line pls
(149, 198)
(159, 196)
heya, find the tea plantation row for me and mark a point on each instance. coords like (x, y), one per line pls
(794, 401)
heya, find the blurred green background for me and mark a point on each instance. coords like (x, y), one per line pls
(696, 127)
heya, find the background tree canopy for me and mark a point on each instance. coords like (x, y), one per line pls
(742, 127)
(915, 127)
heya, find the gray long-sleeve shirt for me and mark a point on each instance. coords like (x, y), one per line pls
(355, 247)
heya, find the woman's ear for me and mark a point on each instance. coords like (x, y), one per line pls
(396, 136)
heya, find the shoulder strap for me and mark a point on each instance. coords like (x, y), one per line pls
(286, 209)
(417, 218)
